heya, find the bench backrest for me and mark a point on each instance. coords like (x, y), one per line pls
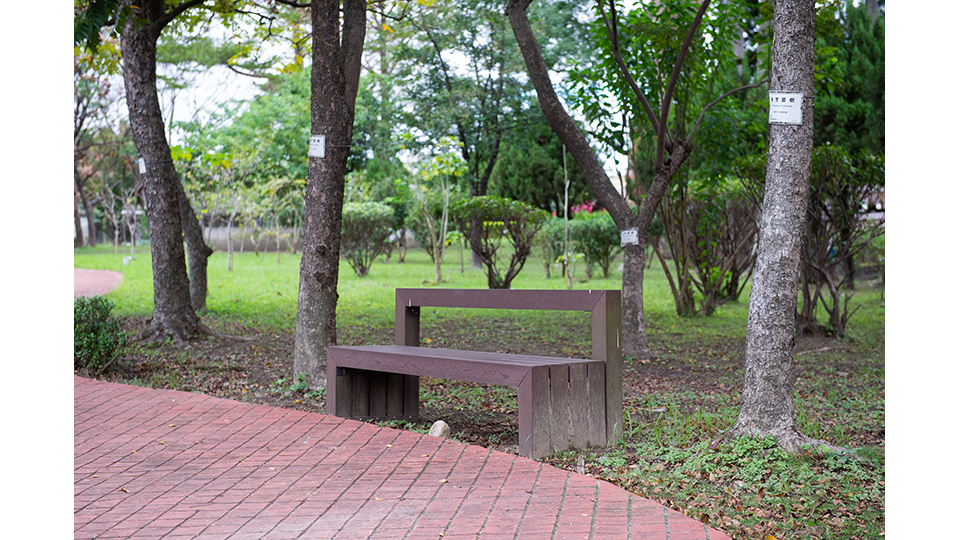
(604, 308)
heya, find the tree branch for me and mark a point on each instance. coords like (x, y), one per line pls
(615, 42)
(564, 126)
(293, 3)
(239, 72)
(674, 76)
(165, 19)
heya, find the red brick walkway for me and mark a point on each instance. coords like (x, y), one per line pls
(175, 465)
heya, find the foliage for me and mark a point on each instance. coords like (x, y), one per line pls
(487, 221)
(651, 38)
(97, 335)
(597, 237)
(365, 230)
(851, 113)
(475, 102)
(530, 168)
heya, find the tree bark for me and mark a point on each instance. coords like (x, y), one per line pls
(198, 252)
(767, 406)
(334, 81)
(173, 314)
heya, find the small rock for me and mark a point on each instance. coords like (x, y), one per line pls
(440, 429)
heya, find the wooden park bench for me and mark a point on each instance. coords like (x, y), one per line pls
(562, 402)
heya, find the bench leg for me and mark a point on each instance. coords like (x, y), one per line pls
(560, 411)
(597, 413)
(533, 404)
(579, 410)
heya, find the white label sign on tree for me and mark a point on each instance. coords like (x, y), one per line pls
(318, 145)
(629, 237)
(786, 108)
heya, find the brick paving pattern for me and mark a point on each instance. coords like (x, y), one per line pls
(151, 464)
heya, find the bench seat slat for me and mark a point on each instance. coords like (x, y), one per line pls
(473, 366)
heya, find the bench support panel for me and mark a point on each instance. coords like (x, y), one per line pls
(364, 394)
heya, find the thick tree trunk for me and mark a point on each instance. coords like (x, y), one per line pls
(173, 313)
(767, 407)
(334, 83)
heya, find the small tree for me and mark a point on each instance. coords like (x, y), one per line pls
(597, 237)
(430, 223)
(549, 244)
(131, 215)
(364, 233)
(487, 221)
(432, 198)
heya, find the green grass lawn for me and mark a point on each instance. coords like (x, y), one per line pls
(675, 405)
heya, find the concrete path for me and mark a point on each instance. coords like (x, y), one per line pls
(95, 282)
(153, 464)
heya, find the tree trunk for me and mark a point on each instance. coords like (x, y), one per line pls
(334, 82)
(173, 313)
(198, 252)
(767, 406)
(78, 229)
(88, 209)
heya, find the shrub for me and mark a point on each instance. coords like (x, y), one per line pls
(364, 233)
(596, 236)
(487, 221)
(97, 336)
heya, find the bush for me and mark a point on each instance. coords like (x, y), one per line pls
(364, 233)
(487, 221)
(97, 336)
(596, 236)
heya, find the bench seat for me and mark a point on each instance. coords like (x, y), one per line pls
(561, 401)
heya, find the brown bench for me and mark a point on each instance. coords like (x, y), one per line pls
(562, 402)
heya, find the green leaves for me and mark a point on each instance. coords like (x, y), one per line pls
(90, 17)
(97, 335)
(364, 232)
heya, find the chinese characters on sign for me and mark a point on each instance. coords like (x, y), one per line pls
(317, 146)
(629, 237)
(786, 108)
